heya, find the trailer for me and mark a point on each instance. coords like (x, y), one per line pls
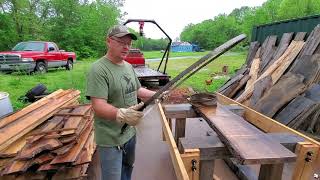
(146, 75)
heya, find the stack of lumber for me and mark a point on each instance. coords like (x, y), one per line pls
(49, 139)
(281, 80)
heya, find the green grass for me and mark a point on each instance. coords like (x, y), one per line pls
(17, 84)
(214, 69)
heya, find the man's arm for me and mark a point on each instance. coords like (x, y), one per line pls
(104, 109)
(144, 94)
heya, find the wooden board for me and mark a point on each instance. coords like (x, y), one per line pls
(277, 73)
(31, 150)
(269, 125)
(313, 93)
(254, 46)
(75, 172)
(22, 165)
(297, 106)
(312, 42)
(28, 109)
(178, 165)
(72, 155)
(267, 51)
(245, 142)
(64, 149)
(51, 124)
(19, 128)
(290, 54)
(282, 47)
(300, 36)
(233, 79)
(309, 67)
(288, 87)
(240, 85)
(14, 148)
(260, 87)
(230, 85)
(303, 117)
(87, 152)
(254, 70)
(73, 122)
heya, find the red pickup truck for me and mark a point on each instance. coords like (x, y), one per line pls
(35, 56)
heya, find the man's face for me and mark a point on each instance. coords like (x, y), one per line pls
(119, 46)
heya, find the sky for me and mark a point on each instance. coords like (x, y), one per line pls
(173, 15)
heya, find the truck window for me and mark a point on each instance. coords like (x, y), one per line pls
(52, 47)
(29, 46)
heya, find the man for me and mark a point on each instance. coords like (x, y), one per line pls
(113, 89)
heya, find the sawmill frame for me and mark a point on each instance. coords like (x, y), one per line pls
(182, 161)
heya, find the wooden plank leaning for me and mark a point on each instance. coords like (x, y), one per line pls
(290, 54)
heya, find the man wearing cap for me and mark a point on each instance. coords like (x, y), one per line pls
(113, 89)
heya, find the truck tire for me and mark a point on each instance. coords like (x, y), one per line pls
(69, 65)
(35, 91)
(41, 67)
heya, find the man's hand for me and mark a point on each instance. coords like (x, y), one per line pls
(131, 115)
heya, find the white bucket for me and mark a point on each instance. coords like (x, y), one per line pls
(5, 104)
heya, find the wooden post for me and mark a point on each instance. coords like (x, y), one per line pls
(271, 171)
(206, 169)
(179, 112)
(306, 160)
(180, 129)
(191, 160)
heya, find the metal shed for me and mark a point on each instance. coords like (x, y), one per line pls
(304, 24)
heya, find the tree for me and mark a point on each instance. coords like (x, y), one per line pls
(298, 8)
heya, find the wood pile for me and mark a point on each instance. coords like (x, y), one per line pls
(281, 80)
(49, 139)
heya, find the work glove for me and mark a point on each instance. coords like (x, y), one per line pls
(130, 115)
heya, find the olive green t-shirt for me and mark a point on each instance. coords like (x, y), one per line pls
(118, 85)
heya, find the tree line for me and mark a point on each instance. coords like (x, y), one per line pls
(81, 25)
(75, 25)
(213, 32)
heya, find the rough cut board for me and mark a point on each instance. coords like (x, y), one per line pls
(253, 72)
(254, 46)
(72, 155)
(294, 109)
(19, 128)
(260, 88)
(289, 55)
(288, 87)
(282, 47)
(246, 143)
(28, 109)
(73, 122)
(267, 50)
(309, 67)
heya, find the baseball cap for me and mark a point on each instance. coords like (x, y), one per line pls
(120, 31)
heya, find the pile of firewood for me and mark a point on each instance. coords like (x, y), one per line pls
(49, 139)
(282, 80)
